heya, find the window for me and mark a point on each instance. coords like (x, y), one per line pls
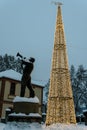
(12, 89)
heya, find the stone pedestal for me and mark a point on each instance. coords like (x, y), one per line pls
(25, 109)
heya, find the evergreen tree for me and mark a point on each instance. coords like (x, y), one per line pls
(18, 66)
(79, 86)
(10, 62)
(46, 89)
(1, 63)
(6, 62)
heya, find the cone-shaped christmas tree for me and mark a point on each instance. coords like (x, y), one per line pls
(60, 107)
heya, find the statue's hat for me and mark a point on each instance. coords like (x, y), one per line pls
(32, 59)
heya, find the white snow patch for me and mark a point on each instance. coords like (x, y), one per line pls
(23, 114)
(17, 114)
(85, 110)
(34, 115)
(44, 114)
(24, 99)
(7, 109)
(66, 127)
(37, 126)
(2, 126)
(12, 74)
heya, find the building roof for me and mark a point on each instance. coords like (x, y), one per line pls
(12, 74)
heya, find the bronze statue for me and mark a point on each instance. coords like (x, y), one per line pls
(27, 65)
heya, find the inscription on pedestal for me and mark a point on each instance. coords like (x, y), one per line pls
(26, 107)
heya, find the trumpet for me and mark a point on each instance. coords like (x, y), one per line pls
(18, 54)
(24, 58)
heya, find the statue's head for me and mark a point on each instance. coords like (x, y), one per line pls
(32, 59)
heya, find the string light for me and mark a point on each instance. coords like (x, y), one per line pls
(60, 107)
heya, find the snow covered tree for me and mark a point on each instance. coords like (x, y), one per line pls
(45, 92)
(79, 86)
(18, 66)
(47, 89)
(10, 62)
(1, 64)
(6, 62)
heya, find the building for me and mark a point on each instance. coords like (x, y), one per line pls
(10, 84)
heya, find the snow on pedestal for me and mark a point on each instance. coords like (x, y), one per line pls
(24, 99)
(24, 115)
(26, 105)
(26, 109)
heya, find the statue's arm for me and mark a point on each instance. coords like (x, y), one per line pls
(24, 62)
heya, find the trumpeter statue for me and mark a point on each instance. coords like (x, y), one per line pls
(27, 66)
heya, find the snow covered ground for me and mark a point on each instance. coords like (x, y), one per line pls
(36, 126)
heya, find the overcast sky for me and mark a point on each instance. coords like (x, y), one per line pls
(28, 26)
